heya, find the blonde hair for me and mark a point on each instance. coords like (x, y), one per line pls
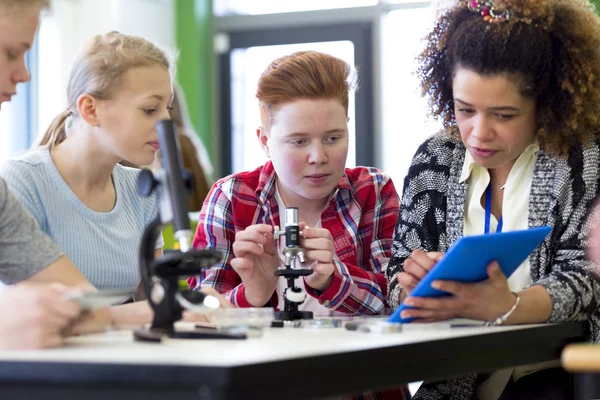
(98, 71)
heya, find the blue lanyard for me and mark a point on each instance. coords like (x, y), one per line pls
(488, 211)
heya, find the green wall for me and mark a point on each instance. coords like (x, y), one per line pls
(194, 36)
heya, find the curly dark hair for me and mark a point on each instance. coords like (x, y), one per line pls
(550, 47)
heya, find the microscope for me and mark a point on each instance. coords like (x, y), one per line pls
(160, 277)
(293, 296)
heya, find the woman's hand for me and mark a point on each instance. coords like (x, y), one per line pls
(415, 268)
(483, 301)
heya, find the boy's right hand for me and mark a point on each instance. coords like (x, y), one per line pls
(415, 268)
(256, 261)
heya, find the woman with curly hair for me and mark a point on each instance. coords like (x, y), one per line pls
(517, 87)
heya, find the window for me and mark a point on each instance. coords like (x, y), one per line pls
(246, 67)
(9, 129)
(404, 114)
(250, 52)
(231, 7)
(399, 1)
(16, 117)
(50, 87)
(390, 114)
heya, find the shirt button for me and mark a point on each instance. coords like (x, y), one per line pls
(326, 303)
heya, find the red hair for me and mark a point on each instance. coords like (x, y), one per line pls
(303, 75)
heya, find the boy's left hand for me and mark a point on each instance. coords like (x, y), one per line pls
(318, 244)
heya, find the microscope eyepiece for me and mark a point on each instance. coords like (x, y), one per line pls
(291, 216)
(292, 227)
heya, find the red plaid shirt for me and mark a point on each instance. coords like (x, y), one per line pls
(360, 215)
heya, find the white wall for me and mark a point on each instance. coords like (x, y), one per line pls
(81, 19)
(72, 22)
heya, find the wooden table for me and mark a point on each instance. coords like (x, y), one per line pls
(583, 360)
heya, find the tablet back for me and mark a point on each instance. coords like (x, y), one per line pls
(468, 259)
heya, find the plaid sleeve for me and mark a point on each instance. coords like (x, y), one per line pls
(361, 290)
(216, 230)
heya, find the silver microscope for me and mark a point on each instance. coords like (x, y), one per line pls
(293, 295)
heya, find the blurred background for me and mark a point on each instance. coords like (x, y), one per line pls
(223, 47)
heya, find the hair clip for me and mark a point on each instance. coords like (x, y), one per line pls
(488, 11)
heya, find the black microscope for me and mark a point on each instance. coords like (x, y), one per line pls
(293, 295)
(160, 277)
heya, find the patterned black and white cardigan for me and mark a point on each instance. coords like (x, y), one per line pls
(562, 193)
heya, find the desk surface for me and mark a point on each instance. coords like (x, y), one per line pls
(276, 344)
(287, 360)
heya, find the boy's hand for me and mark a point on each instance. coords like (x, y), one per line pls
(256, 261)
(319, 252)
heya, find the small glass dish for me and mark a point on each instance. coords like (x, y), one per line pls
(260, 317)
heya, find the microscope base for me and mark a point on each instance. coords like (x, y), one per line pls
(293, 315)
(149, 335)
